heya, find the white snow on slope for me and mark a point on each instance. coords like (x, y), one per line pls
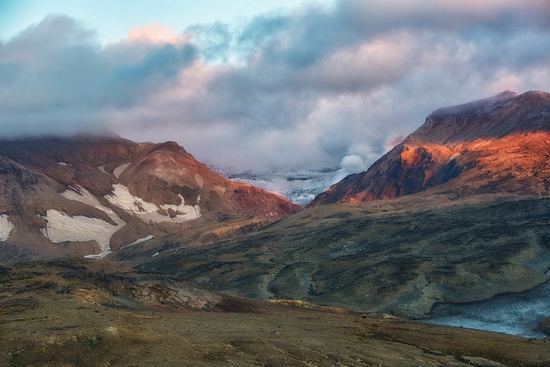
(140, 240)
(63, 164)
(146, 211)
(102, 169)
(118, 171)
(5, 227)
(84, 196)
(78, 193)
(61, 227)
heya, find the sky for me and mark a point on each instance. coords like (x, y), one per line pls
(262, 84)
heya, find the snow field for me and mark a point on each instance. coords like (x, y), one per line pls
(61, 227)
(140, 240)
(146, 211)
(5, 227)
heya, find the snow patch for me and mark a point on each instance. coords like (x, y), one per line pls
(102, 169)
(118, 171)
(140, 240)
(61, 227)
(146, 211)
(63, 164)
(5, 227)
(155, 254)
(80, 194)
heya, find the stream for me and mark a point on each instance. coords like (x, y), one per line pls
(514, 313)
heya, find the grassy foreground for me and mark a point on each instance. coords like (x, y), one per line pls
(93, 313)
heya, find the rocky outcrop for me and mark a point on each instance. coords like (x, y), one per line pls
(500, 144)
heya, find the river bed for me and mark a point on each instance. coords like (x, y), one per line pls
(514, 313)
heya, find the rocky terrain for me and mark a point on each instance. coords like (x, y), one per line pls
(500, 144)
(91, 195)
(91, 313)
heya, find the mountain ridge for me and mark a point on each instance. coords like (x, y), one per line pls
(507, 134)
(89, 195)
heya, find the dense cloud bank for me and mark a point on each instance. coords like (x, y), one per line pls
(312, 87)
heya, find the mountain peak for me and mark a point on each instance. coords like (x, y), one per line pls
(497, 144)
(94, 195)
(481, 103)
(489, 118)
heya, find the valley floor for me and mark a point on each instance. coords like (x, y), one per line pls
(67, 334)
(49, 316)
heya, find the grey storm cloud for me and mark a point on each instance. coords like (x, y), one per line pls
(316, 86)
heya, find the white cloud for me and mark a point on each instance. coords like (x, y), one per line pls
(353, 163)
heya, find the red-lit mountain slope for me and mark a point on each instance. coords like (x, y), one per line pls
(499, 144)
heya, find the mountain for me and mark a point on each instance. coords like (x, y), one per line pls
(90, 195)
(466, 218)
(398, 256)
(480, 233)
(499, 144)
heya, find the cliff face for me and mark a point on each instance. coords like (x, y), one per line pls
(91, 195)
(499, 144)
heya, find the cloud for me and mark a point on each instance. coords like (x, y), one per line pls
(56, 79)
(353, 163)
(318, 86)
(156, 34)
